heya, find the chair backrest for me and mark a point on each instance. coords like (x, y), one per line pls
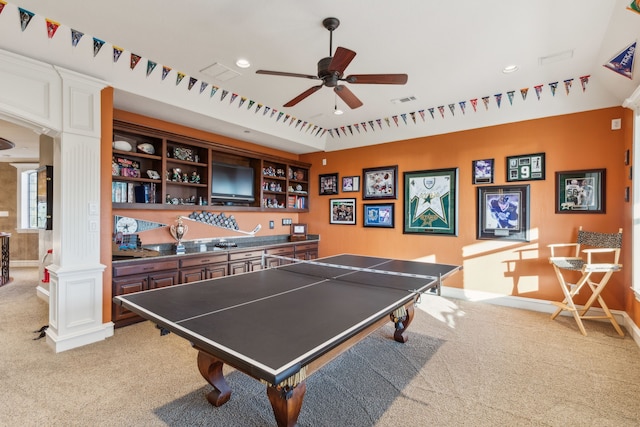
(601, 240)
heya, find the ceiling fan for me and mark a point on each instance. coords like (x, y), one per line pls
(331, 70)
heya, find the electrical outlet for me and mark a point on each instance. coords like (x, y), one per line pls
(271, 225)
(286, 221)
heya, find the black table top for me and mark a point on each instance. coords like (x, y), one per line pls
(270, 323)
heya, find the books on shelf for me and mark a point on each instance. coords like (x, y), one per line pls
(130, 192)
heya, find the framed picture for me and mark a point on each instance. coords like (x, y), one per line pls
(328, 184)
(350, 184)
(379, 215)
(580, 191)
(503, 212)
(483, 171)
(430, 202)
(528, 167)
(343, 211)
(379, 183)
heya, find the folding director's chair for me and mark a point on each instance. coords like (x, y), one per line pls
(599, 247)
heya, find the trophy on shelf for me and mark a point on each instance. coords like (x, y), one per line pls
(178, 232)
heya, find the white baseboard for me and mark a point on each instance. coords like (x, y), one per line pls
(539, 305)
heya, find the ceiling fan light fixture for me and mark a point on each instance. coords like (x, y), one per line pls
(5, 144)
(337, 111)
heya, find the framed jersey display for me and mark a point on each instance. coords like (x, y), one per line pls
(580, 191)
(503, 212)
(528, 167)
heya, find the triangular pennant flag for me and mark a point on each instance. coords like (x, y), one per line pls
(379, 123)
(150, 67)
(280, 114)
(179, 77)
(52, 27)
(583, 81)
(395, 120)
(364, 126)
(258, 107)
(297, 123)
(431, 110)
(524, 92)
(97, 45)
(463, 105)
(498, 99)
(404, 118)
(75, 37)
(25, 18)
(286, 118)
(2, 5)
(553, 87)
(413, 117)
(510, 96)
(214, 89)
(242, 101)
(293, 119)
(117, 51)
(386, 119)
(622, 63)
(134, 60)
(224, 94)
(474, 104)
(250, 104)
(350, 130)
(421, 114)
(192, 81)
(273, 112)
(567, 85)
(203, 86)
(485, 100)
(165, 71)
(441, 109)
(634, 6)
(233, 98)
(343, 131)
(452, 108)
(266, 110)
(538, 91)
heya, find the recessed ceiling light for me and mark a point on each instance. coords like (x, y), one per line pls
(337, 111)
(510, 69)
(243, 63)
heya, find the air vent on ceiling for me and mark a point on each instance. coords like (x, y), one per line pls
(403, 100)
(556, 57)
(220, 72)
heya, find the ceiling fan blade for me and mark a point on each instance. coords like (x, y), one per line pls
(377, 79)
(302, 96)
(347, 96)
(285, 74)
(341, 59)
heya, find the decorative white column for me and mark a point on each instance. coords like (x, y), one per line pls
(633, 103)
(75, 299)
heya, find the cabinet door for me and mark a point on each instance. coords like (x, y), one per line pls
(254, 264)
(216, 270)
(188, 275)
(238, 267)
(127, 285)
(160, 280)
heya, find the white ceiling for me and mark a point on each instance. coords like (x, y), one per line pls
(452, 51)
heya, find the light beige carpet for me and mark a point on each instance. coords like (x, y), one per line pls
(465, 364)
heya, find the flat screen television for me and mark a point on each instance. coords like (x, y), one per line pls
(232, 184)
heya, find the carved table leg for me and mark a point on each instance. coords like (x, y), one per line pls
(286, 403)
(211, 370)
(402, 323)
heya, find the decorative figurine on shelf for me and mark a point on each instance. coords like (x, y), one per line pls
(185, 177)
(176, 174)
(178, 231)
(168, 199)
(195, 178)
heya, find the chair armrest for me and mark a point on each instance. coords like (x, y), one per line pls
(592, 251)
(562, 245)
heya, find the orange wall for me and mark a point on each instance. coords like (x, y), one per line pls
(571, 142)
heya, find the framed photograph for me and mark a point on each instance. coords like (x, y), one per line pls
(528, 167)
(343, 211)
(483, 171)
(379, 215)
(379, 183)
(431, 202)
(580, 191)
(350, 184)
(328, 184)
(503, 212)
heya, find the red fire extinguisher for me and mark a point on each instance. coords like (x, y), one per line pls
(45, 269)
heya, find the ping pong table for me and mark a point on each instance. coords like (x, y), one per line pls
(279, 325)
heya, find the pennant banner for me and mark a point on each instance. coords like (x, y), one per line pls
(622, 63)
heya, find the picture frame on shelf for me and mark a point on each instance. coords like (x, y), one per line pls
(298, 232)
(431, 202)
(483, 171)
(526, 167)
(342, 211)
(328, 184)
(581, 191)
(503, 212)
(380, 182)
(379, 215)
(350, 184)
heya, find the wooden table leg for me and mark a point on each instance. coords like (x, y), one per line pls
(402, 323)
(286, 403)
(211, 370)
